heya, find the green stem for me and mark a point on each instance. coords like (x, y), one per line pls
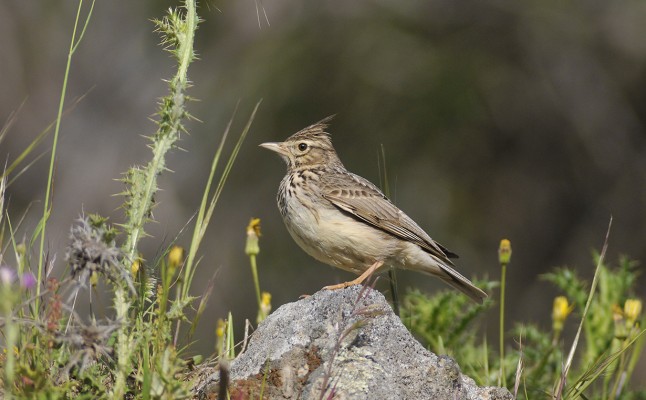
(538, 369)
(502, 324)
(392, 273)
(634, 357)
(124, 344)
(615, 347)
(10, 335)
(620, 372)
(254, 272)
(61, 104)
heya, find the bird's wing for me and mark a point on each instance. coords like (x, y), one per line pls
(357, 196)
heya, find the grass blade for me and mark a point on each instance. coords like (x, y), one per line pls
(566, 369)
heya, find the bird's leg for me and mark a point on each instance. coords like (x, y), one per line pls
(357, 281)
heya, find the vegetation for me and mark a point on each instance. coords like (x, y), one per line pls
(50, 351)
(610, 346)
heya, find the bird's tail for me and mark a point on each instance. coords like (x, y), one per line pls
(456, 280)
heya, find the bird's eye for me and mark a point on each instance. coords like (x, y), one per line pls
(302, 146)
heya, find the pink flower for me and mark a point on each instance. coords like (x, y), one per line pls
(28, 280)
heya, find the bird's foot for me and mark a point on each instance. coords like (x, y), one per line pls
(341, 285)
(357, 281)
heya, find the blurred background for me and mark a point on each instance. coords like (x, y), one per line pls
(502, 119)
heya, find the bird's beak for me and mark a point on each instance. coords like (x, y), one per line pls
(278, 147)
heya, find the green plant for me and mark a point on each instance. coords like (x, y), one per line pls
(49, 349)
(444, 322)
(611, 343)
(504, 256)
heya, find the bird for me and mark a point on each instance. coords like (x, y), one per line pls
(345, 221)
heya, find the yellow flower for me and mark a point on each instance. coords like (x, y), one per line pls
(175, 258)
(632, 309)
(265, 307)
(254, 227)
(253, 233)
(560, 310)
(504, 252)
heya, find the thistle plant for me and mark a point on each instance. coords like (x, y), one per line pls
(178, 32)
(92, 251)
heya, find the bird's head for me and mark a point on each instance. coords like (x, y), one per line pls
(308, 148)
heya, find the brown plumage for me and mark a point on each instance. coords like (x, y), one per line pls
(343, 220)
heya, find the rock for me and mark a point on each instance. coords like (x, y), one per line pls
(349, 344)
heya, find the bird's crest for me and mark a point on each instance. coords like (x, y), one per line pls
(314, 131)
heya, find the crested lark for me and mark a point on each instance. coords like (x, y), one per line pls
(343, 220)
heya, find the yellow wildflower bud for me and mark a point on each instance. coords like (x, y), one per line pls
(253, 233)
(21, 249)
(219, 336)
(265, 307)
(219, 330)
(175, 258)
(560, 310)
(266, 299)
(504, 252)
(632, 309)
(134, 268)
(21, 252)
(94, 279)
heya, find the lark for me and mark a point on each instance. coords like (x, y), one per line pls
(343, 220)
